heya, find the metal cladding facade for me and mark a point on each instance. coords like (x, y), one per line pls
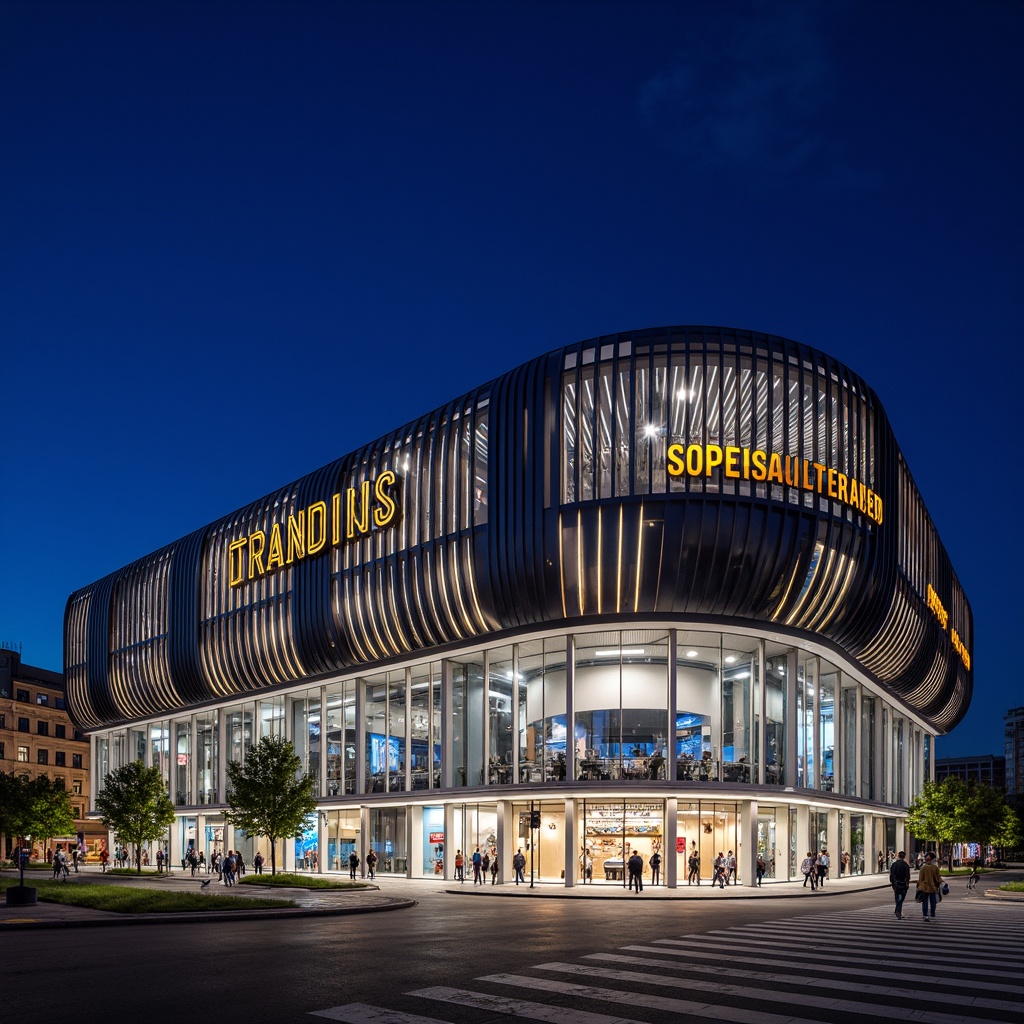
(684, 474)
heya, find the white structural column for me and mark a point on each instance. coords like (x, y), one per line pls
(762, 711)
(673, 648)
(414, 830)
(323, 759)
(858, 745)
(360, 712)
(877, 740)
(505, 839)
(780, 853)
(447, 736)
(746, 855)
(321, 837)
(669, 857)
(833, 843)
(803, 831)
(570, 739)
(838, 746)
(571, 858)
(451, 841)
(363, 841)
(790, 762)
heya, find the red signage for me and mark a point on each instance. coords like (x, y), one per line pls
(436, 837)
(680, 844)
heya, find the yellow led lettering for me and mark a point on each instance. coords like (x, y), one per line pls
(275, 551)
(356, 524)
(713, 459)
(832, 474)
(676, 465)
(759, 465)
(296, 537)
(841, 489)
(732, 458)
(386, 506)
(694, 460)
(236, 563)
(257, 542)
(316, 532)
(775, 468)
(335, 519)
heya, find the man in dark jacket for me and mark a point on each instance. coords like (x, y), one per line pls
(635, 866)
(899, 879)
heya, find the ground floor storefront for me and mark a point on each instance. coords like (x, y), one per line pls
(572, 840)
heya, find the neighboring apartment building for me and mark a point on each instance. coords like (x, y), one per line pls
(987, 769)
(1014, 734)
(38, 738)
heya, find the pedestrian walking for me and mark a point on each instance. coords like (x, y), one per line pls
(477, 861)
(655, 865)
(371, 864)
(494, 868)
(693, 866)
(760, 869)
(929, 882)
(353, 863)
(809, 869)
(730, 868)
(823, 865)
(460, 867)
(899, 879)
(719, 875)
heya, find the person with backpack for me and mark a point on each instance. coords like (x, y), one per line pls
(353, 863)
(655, 864)
(810, 871)
(257, 863)
(371, 865)
(518, 866)
(899, 879)
(477, 861)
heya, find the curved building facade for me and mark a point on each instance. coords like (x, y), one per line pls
(667, 591)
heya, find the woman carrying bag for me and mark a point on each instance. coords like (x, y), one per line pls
(929, 881)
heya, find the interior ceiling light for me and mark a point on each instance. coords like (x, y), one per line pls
(691, 654)
(730, 659)
(627, 652)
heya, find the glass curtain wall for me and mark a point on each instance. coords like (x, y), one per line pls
(207, 738)
(469, 686)
(829, 680)
(500, 743)
(621, 728)
(775, 710)
(425, 703)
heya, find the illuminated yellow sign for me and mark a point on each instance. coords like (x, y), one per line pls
(738, 463)
(939, 611)
(352, 514)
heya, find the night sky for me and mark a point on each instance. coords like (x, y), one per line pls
(239, 240)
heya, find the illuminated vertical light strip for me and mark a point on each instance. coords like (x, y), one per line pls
(442, 581)
(806, 596)
(483, 624)
(581, 579)
(639, 558)
(785, 596)
(618, 564)
(440, 632)
(382, 592)
(345, 602)
(457, 577)
(561, 559)
(371, 602)
(600, 561)
(390, 590)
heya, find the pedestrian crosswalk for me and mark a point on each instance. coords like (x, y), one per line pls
(965, 967)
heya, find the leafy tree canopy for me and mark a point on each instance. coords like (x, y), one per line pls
(954, 811)
(135, 806)
(269, 794)
(49, 809)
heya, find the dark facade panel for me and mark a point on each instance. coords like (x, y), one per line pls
(687, 472)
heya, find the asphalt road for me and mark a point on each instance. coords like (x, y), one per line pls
(284, 970)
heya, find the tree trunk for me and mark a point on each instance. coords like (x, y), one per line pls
(273, 855)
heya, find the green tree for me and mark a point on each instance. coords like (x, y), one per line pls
(135, 805)
(954, 811)
(269, 793)
(13, 807)
(49, 809)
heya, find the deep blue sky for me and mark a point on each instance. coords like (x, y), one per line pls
(240, 239)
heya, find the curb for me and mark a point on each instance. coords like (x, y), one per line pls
(209, 917)
(560, 894)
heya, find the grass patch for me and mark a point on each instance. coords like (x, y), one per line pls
(121, 899)
(131, 872)
(299, 881)
(1012, 887)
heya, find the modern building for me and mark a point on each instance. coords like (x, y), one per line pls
(37, 737)
(666, 591)
(1014, 735)
(985, 769)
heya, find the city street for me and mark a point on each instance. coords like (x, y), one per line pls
(467, 958)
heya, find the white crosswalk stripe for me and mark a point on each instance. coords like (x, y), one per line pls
(963, 969)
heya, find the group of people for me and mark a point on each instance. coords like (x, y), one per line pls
(815, 869)
(930, 886)
(725, 870)
(60, 862)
